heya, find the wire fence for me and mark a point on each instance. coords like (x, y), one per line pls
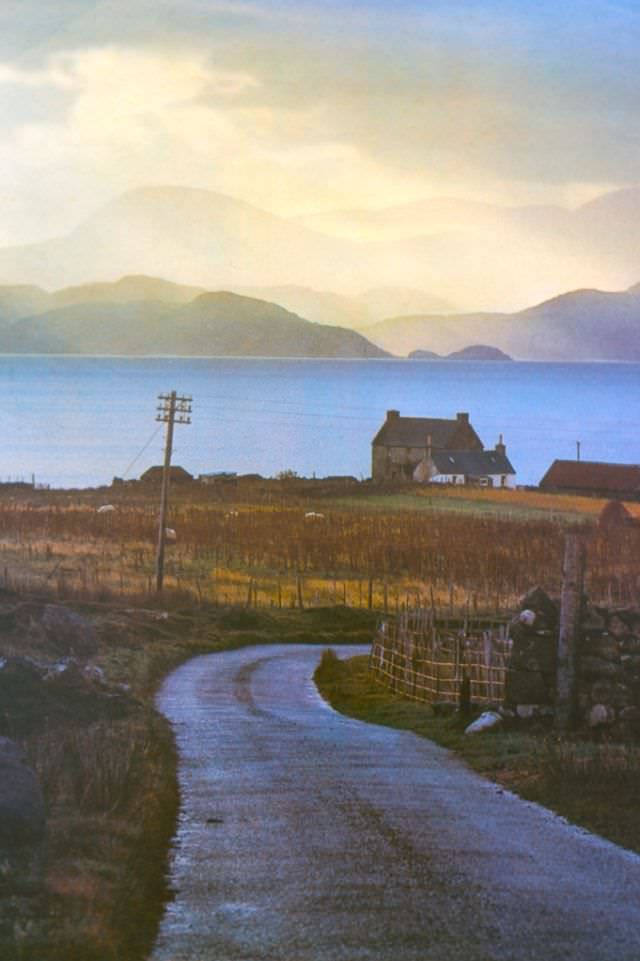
(432, 659)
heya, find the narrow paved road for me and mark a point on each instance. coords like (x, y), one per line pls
(306, 836)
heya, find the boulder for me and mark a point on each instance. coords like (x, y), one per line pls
(526, 687)
(605, 646)
(69, 632)
(602, 692)
(22, 813)
(593, 620)
(527, 617)
(630, 644)
(598, 667)
(618, 625)
(600, 714)
(486, 721)
(631, 663)
(547, 611)
(622, 696)
(529, 712)
(630, 714)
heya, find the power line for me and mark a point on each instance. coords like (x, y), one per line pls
(143, 449)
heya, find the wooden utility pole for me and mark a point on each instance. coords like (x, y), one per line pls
(570, 610)
(171, 410)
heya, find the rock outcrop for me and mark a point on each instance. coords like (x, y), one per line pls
(22, 812)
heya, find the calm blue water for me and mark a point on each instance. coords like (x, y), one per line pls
(78, 421)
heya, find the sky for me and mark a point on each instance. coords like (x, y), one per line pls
(313, 105)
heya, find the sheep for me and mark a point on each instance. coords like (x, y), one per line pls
(170, 535)
(313, 515)
(106, 509)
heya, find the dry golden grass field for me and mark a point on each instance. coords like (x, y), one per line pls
(254, 544)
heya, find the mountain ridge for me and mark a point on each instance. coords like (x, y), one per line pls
(213, 324)
(467, 254)
(142, 314)
(585, 324)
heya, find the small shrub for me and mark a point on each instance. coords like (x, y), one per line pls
(330, 668)
(98, 769)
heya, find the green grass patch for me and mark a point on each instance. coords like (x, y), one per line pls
(458, 505)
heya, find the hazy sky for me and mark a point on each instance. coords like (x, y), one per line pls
(305, 106)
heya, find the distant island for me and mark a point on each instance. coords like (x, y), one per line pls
(474, 352)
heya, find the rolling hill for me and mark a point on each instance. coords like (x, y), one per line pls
(139, 314)
(320, 306)
(213, 324)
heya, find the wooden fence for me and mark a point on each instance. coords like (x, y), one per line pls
(428, 658)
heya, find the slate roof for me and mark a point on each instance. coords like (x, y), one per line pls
(592, 476)
(471, 463)
(413, 432)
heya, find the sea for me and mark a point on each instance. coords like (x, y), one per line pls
(79, 421)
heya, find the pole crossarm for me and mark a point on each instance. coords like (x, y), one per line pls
(172, 405)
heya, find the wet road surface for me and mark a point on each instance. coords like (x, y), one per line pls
(307, 836)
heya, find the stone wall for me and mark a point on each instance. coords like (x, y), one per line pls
(531, 669)
(609, 668)
(607, 663)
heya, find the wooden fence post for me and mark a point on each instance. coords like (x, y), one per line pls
(570, 609)
(299, 592)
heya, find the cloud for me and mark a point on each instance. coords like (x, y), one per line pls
(316, 105)
(137, 117)
(52, 76)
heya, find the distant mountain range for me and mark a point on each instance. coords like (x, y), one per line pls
(433, 256)
(489, 256)
(580, 325)
(144, 316)
(359, 310)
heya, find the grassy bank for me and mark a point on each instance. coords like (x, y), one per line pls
(593, 784)
(110, 783)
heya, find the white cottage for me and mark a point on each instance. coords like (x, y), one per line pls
(482, 468)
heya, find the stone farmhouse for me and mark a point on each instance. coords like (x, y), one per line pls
(430, 450)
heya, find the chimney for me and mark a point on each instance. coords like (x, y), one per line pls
(462, 418)
(501, 447)
(428, 446)
(393, 414)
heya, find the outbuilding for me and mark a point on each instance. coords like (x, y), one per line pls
(177, 475)
(593, 477)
